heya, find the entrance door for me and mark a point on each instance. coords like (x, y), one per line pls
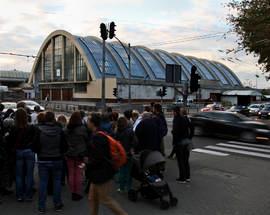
(67, 94)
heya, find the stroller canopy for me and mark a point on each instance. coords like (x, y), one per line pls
(153, 158)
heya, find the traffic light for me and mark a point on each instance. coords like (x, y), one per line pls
(194, 80)
(115, 92)
(103, 31)
(112, 30)
(164, 91)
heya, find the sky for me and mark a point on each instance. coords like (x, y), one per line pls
(24, 25)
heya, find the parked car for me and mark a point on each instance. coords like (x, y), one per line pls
(254, 109)
(239, 109)
(212, 107)
(230, 125)
(9, 105)
(265, 112)
(31, 105)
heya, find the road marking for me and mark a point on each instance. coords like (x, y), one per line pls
(254, 154)
(250, 144)
(210, 152)
(244, 147)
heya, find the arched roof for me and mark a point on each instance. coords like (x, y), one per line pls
(145, 63)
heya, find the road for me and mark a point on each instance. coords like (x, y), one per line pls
(228, 178)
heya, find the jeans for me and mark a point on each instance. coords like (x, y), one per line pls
(75, 176)
(125, 179)
(56, 168)
(182, 154)
(25, 163)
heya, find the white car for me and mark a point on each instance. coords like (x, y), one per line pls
(254, 109)
(9, 105)
(31, 105)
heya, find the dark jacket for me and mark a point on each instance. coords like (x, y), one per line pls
(50, 142)
(182, 129)
(77, 139)
(21, 138)
(100, 168)
(160, 118)
(148, 135)
(127, 138)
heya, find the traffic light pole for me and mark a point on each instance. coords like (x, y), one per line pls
(103, 99)
(129, 75)
(128, 52)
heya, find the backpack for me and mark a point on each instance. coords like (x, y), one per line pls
(118, 153)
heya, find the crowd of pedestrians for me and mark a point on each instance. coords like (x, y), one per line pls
(78, 150)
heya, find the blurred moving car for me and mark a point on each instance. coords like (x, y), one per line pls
(239, 109)
(31, 105)
(230, 125)
(265, 112)
(9, 105)
(254, 109)
(212, 107)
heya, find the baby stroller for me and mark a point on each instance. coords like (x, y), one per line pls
(148, 168)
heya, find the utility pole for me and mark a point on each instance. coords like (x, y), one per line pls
(103, 99)
(104, 36)
(129, 75)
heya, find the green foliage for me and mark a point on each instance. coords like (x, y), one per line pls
(250, 20)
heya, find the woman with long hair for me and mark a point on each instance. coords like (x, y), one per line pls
(21, 139)
(77, 137)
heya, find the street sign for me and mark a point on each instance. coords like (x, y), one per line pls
(173, 73)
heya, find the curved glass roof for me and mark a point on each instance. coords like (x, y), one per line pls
(218, 73)
(145, 63)
(137, 69)
(152, 62)
(168, 60)
(203, 69)
(95, 48)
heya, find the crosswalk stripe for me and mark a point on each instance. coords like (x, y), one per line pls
(210, 152)
(250, 144)
(244, 147)
(237, 151)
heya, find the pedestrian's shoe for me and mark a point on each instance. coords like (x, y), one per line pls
(180, 181)
(19, 199)
(188, 180)
(120, 190)
(76, 197)
(42, 210)
(59, 207)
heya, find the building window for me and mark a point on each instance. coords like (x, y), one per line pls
(69, 60)
(48, 62)
(81, 70)
(57, 73)
(80, 88)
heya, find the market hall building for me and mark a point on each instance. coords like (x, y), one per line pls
(69, 68)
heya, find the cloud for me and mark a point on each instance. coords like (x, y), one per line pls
(25, 24)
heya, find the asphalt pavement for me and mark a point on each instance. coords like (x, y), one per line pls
(228, 178)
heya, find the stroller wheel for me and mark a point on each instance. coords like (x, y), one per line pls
(173, 201)
(132, 195)
(164, 205)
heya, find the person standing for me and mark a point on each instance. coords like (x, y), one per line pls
(50, 146)
(182, 135)
(34, 115)
(161, 121)
(126, 137)
(77, 137)
(148, 134)
(21, 138)
(101, 170)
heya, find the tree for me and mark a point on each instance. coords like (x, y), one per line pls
(250, 20)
